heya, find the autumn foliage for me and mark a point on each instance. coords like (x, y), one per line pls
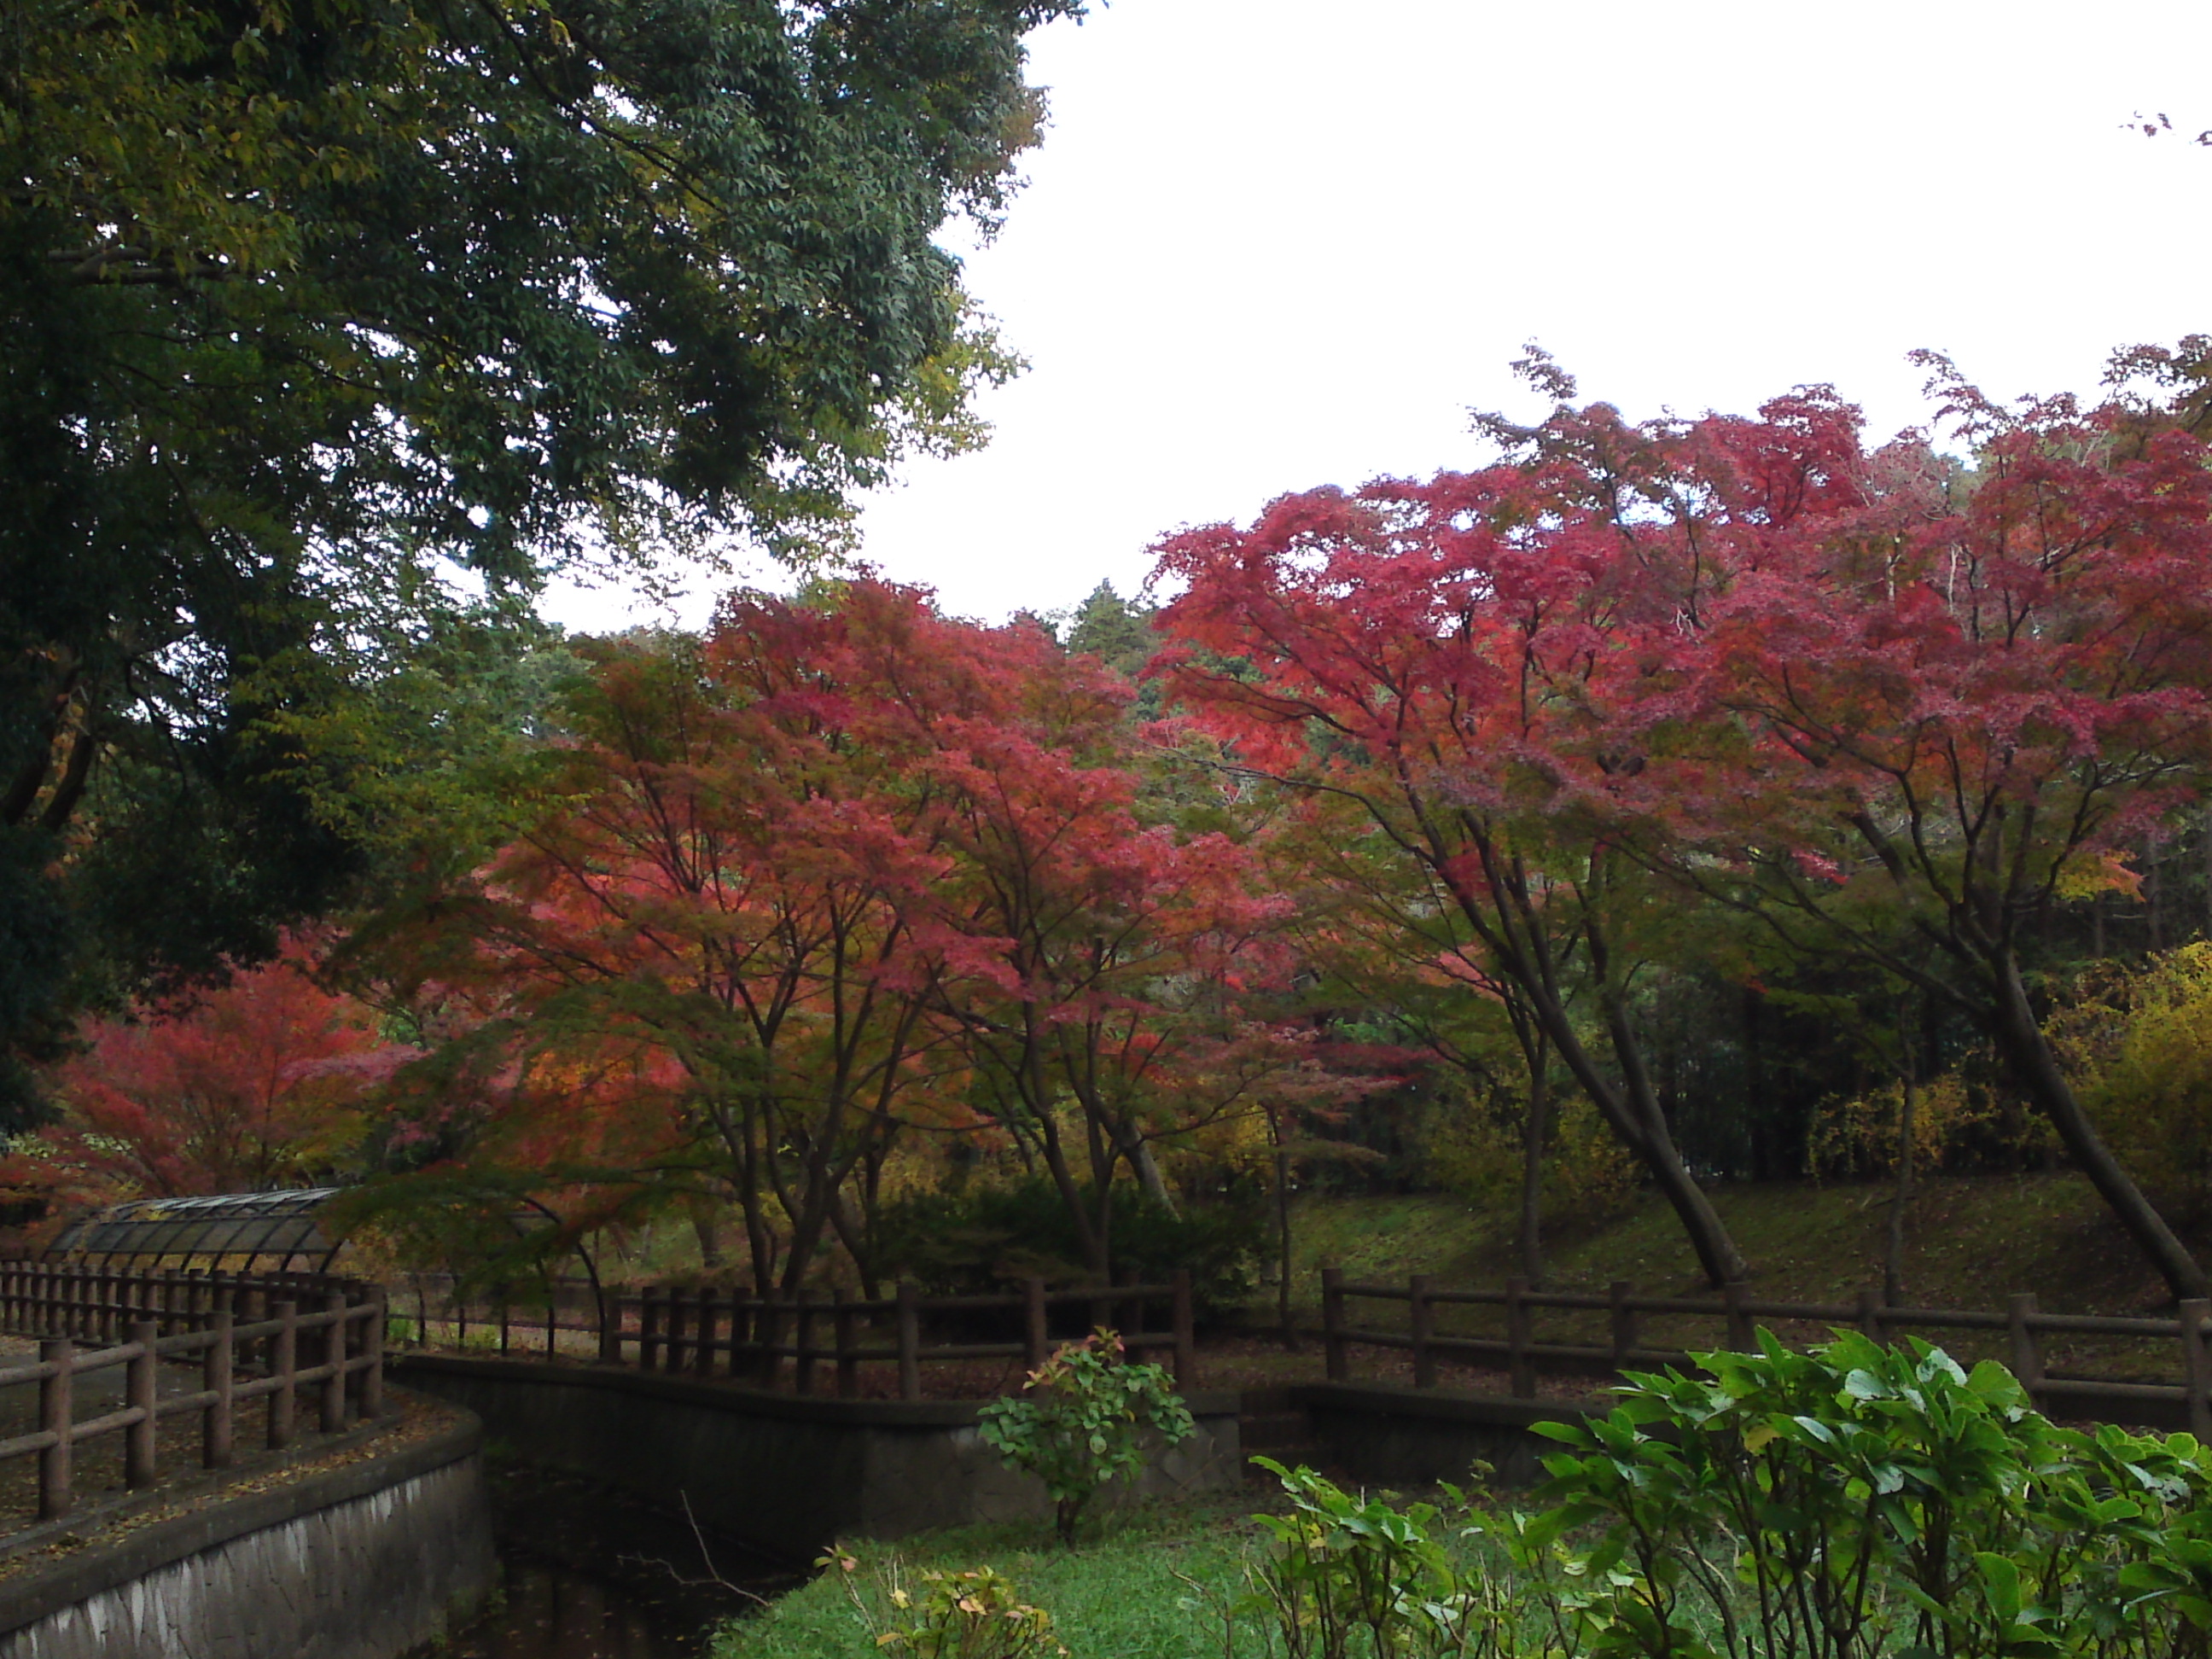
(1887, 708)
(841, 874)
(797, 913)
(262, 1083)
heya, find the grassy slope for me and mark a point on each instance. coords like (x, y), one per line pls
(1118, 1597)
(1970, 1242)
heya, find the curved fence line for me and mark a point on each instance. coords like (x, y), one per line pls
(274, 1337)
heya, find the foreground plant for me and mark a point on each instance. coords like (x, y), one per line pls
(1352, 1578)
(1861, 1500)
(1080, 1421)
(973, 1613)
(1854, 1502)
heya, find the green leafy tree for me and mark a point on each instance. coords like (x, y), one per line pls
(310, 305)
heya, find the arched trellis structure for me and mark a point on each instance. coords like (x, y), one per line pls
(236, 1232)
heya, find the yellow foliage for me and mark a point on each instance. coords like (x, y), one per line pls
(1959, 1122)
(2139, 1047)
(1589, 1176)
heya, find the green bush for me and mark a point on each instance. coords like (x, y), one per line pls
(980, 1239)
(1351, 1576)
(1078, 1423)
(1849, 1504)
(1860, 1501)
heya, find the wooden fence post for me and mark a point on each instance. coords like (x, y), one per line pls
(648, 1328)
(1739, 1322)
(1186, 1335)
(2026, 1346)
(333, 1355)
(909, 1340)
(1332, 1322)
(217, 1377)
(673, 1360)
(844, 1333)
(1870, 1320)
(609, 1304)
(142, 1384)
(802, 1338)
(1517, 1338)
(2196, 1366)
(704, 1326)
(767, 1333)
(372, 1375)
(57, 1418)
(1037, 1343)
(1419, 1315)
(284, 1366)
(1623, 1322)
(743, 1322)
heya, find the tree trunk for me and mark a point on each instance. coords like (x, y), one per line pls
(1148, 1174)
(707, 1228)
(1892, 1261)
(1533, 1129)
(2020, 1040)
(1283, 1320)
(1709, 1236)
(1513, 933)
(1647, 1137)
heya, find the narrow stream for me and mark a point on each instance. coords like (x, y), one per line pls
(591, 1573)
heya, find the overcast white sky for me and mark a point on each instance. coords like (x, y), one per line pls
(1270, 244)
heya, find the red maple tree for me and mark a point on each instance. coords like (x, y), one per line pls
(258, 1084)
(1891, 707)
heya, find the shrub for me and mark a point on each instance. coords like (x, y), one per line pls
(2141, 1041)
(1351, 1575)
(1080, 1422)
(1855, 1502)
(978, 1240)
(1861, 1500)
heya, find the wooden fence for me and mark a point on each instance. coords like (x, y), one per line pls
(2024, 1326)
(260, 1337)
(707, 1332)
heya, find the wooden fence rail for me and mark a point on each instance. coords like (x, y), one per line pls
(267, 1337)
(2024, 1324)
(706, 1331)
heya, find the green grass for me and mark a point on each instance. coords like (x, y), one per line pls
(1119, 1596)
(1970, 1242)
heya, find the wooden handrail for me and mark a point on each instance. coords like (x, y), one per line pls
(93, 1319)
(2024, 1322)
(705, 1331)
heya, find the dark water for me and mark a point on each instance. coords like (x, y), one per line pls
(590, 1572)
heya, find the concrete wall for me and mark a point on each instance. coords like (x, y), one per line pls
(785, 1473)
(1411, 1437)
(362, 1561)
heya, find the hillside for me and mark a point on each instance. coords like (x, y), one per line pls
(1971, 1242)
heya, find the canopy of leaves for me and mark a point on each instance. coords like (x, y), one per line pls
(308, 305)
